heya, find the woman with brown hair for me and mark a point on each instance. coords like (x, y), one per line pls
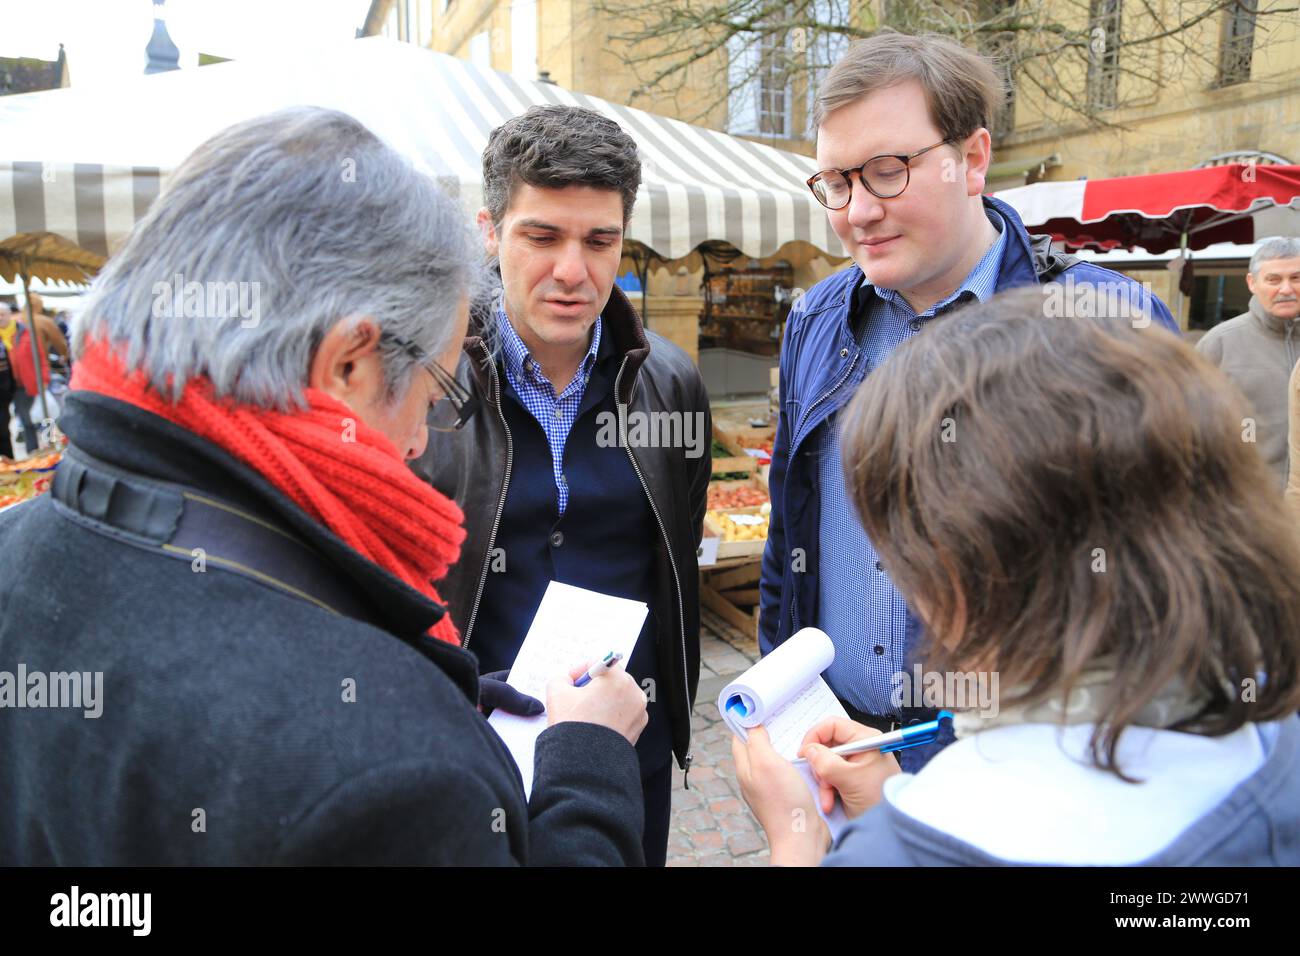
(1070, 507)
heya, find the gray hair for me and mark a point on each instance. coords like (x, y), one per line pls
(268, 235)
(1278, 247)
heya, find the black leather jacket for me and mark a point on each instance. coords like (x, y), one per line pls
(473, 466)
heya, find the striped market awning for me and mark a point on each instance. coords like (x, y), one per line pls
(86, 163)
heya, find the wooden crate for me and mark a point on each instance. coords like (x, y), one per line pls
(737, 438)
(722, 466)
(729, 598)
(735, 549)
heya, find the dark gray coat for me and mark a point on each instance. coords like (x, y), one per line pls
(223, 704)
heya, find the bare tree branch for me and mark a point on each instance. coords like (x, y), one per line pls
(1048, 52)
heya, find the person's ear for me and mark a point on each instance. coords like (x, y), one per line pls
(489, 231)
(1250, 284)
(978, 154)
(347, 363)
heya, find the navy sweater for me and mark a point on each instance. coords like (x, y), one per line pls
(605, 541)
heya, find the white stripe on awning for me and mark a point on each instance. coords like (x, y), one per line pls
(1040, 202)
(8, 224)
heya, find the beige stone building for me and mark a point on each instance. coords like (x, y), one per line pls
(1239, 93)
(1166, 109)
(1226, 90)
(576, 44)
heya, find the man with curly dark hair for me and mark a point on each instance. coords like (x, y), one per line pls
(556, 479)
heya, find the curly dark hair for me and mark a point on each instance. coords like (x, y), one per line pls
(550, 147)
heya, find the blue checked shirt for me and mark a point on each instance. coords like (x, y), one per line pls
(555, 413)
(859, 607)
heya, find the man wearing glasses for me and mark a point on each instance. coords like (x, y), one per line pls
(904, 147)
(547, 495)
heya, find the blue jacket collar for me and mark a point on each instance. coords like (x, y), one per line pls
(1016, 268)
(1018, 257)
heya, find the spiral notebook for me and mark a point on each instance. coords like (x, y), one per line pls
(786, 695)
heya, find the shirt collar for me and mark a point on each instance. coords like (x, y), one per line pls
(979, 284)
(519, 361)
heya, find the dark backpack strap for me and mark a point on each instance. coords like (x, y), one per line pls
(192, 526)
(1049, 264)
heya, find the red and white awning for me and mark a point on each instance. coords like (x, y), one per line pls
(1211, 205)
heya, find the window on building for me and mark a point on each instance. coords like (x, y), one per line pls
(1103, 54)
(759, 74)
(774, 84)
(1237, 43)
(523, 39)
(480, 49)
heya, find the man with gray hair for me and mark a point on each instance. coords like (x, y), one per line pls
(234, 540)
(1259, 348)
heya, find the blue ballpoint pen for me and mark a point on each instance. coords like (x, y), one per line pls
(900, 739)
(609, 660)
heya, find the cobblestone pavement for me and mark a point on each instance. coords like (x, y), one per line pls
(711, 826)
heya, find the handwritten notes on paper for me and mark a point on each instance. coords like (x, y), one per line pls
(785, 694)
(572, 626)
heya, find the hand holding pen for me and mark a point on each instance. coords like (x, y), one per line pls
(851, 770)
(900, 739)
(612, 699)
(606, 662)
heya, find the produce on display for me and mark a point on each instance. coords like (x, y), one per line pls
(748, 525)
(20, 480)
(746, 496)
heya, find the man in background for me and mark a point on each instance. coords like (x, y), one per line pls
(1259, 348)
(27, 389)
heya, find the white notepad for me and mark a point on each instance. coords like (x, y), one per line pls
(572, 626)
(785, 694)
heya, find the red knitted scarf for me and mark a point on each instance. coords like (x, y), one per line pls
(345, 474)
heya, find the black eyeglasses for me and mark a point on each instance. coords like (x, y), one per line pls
(885, 177)
(457, 405)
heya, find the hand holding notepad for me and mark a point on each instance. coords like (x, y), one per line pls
(785, 694)
(573, 626)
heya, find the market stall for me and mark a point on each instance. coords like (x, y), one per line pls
(94, 167)
(705, 196)
(28, 477)
(1185, 211)
(43, 257)
(736, 519)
